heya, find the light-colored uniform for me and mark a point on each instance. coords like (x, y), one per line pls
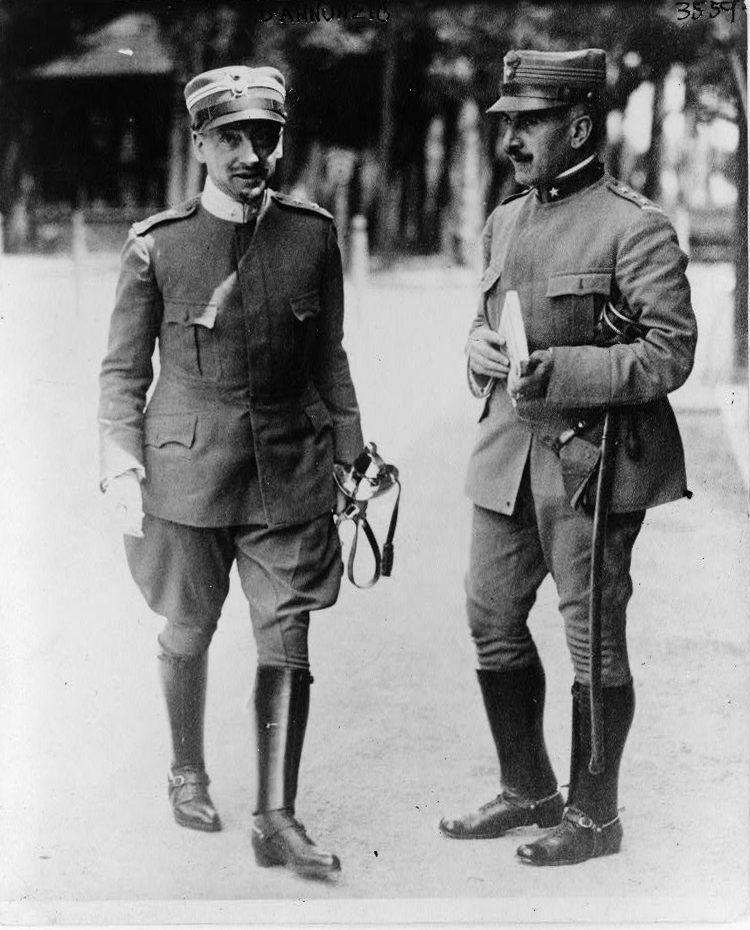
(565, 257)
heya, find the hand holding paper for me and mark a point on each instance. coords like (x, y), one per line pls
(513, 332)
(529, 374)
(486, 352)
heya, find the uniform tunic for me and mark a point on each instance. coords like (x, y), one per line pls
(252, 405)
(565, 257)
(254, 399)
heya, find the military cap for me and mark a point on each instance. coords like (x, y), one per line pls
(229, 95)
(545, 80)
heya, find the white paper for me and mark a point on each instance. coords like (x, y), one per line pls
(513, 331)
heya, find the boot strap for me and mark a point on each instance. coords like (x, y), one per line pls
(526, 804)
(188, 778)
(584, 822)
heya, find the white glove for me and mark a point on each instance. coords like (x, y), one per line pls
(123, 495)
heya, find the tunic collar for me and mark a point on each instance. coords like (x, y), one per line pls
(227, 208)
(569, 182)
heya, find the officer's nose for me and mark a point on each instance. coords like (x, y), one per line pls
(511, 142)
(247, 153)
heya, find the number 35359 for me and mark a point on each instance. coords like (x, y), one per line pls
(697, 9)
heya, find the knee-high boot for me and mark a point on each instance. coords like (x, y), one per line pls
(281, 702)
(514, 702)
(591, 826)
(184, 684)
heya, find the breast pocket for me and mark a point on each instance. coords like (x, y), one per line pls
(189, 340)
(171, 433)
(575, 302)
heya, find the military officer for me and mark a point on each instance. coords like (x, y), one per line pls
(573, 243)
(231, 459)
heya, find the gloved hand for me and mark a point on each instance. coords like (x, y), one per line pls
(343, 501)
(531, 382)
(123, 496)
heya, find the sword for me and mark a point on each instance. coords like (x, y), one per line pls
(601, 512)
(615, 326)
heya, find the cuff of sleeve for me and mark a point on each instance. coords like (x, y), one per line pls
(139, 470)
(580, 377)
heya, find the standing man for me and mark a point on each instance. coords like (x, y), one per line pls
(232, 458)
(589, 259)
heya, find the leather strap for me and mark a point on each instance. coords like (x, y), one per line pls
(525, 803)
(384, 562)
(581, 426)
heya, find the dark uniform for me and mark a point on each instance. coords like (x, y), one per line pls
(567, 248)
(236, 446)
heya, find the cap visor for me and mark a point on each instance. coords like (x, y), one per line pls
(241, 116)
(522, 104)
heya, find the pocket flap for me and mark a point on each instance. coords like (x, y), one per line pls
(489, 278)
(583, 283)
(174, 427)
(306, 305)
(191, 313)
(318, 415)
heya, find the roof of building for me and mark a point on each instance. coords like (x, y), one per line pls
(128, 45)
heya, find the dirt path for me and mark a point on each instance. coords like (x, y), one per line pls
(397, 736)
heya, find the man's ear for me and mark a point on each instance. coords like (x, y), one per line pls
(581, 128)
(278, 152)
(198, 143)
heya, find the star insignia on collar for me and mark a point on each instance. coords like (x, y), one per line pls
(553, 192)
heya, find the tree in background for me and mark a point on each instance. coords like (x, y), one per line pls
(386, 117)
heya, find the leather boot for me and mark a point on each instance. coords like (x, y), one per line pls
(591, 826)
(282, 701)
(514, 702)
(184, 685)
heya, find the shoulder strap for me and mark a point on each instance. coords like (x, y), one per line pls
(284, 200)
(627, 193)
(167, 216)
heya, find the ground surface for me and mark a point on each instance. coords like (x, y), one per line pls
(397, 736)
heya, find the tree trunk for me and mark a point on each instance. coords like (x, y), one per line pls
(178, 151)
(470, 209)
(388, 206)
(652, 185)
(434, 161)
(740, 254)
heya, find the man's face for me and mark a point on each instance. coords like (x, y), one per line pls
(240, 157)
(538, 143)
